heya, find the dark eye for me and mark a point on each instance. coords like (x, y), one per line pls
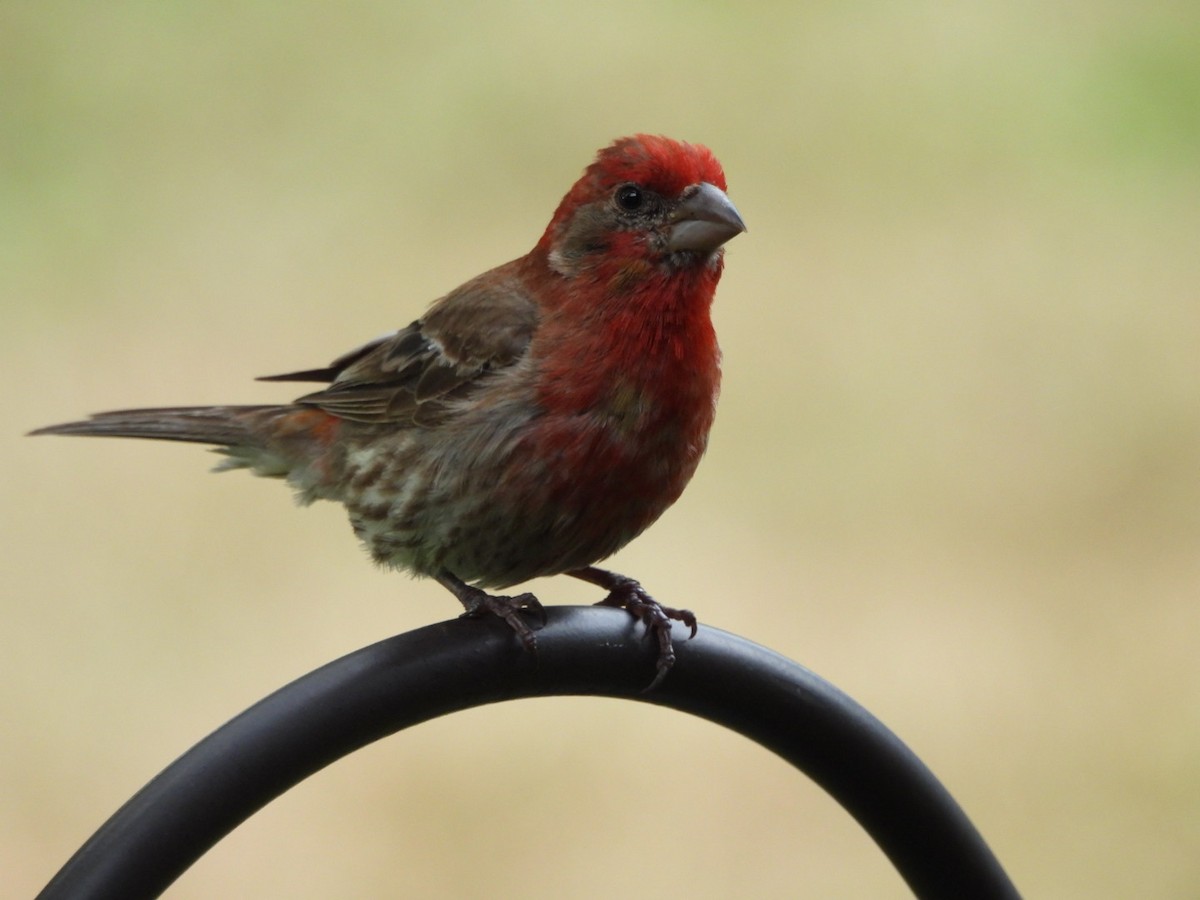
(629, 197)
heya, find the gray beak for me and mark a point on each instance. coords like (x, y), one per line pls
(704, 220)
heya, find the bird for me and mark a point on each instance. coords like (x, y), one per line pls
(532, 421)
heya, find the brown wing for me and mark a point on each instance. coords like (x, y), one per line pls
(411, 376)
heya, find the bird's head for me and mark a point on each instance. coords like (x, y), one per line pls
(648, 198)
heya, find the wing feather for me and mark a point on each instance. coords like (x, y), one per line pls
(412, 376)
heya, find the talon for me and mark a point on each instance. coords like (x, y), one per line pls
(508, 609)
(534, 605)
(477, 603)
(629, 595)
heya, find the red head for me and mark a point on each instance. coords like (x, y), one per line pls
(644, 184)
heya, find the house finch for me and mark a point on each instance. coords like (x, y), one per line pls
(534, 420)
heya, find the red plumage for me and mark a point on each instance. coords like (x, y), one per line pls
(536, 418)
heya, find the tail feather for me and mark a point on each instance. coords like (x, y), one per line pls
(226, 426)
(274, 441)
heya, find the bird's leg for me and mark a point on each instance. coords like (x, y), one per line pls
(629, 595)
(478, 603)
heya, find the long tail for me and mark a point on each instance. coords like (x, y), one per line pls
(276, 441)
(227, 426)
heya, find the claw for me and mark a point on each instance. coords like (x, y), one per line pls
(534, 605)
(627, 594)
(478, 603)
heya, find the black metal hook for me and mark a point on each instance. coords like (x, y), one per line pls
(440, 669)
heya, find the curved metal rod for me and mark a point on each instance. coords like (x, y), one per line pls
(376, 691)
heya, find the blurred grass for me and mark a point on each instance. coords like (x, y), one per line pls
(954, 470)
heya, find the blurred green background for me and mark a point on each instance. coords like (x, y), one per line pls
(956, 467)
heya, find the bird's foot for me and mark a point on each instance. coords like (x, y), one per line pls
(628, 594)
(478, 603)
